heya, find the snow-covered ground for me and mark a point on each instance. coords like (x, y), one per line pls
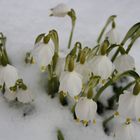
(21, 21)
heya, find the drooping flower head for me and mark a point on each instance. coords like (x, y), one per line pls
(85, 109)
(125, 131)
(60, 10)
(71, 83)
(19, 92)
(43, 54)
(129, 106)
(101, 66)
(8, 75)
(112, 36)
(124, 63)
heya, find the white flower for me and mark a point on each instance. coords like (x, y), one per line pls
(112, 36)
(24, 96)
(124, 62)
(71, 83)
(101, 66)
(129, 105)
(84, 70)
(61, 62)
(60, 66)
(43, 54)
(60, 10)
(125, 131)
(8, 75)
(85, 109)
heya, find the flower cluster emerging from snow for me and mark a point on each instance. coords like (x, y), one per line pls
(82, 73)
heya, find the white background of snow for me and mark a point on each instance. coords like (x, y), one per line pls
(21, 21)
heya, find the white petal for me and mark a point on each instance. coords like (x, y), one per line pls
(126, 107)
(71, 82)
(113, 36)
(43, 54)
(60, 10)
(86, 109)
(125, 132)
(124, 63)
(1, 75)
(60, 66)
(25, 96)
(10, 75)
(9, 95)
(101, 66)
(137, 107)
(84, 70)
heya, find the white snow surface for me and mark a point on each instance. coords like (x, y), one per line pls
(21, 21)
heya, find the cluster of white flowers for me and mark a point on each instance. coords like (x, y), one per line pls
(81, 74)
(11, 85)
(8, 80)
(77, 70)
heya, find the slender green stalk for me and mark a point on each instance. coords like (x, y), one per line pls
(72, 15)
(107, 120)
(71, 35)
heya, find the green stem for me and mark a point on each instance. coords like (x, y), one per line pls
(107, 120)
(115, 55)
(129, 85)
(111, 81)
(71, 35)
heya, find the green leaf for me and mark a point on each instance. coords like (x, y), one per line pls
(60, 135)
(109, 20)
(131, 32)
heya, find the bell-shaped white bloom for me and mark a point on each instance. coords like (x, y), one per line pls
(10, 95)
(85, 109)
(43, 54)
(125, 131)
(129, 105)
(61, 62)
(84, 70)
(71, 83)
(101, 66)
(124, 63)
(60, 66)
(8, 75)
(112, 36)
(23, 96)
(60, 10)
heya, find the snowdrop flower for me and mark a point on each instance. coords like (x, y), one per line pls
(85, 109)
(60, 10)
(124, 62)
(8, 75)
(129, 105)
(61, 62)
(112, 36)
(23, 96)
(43, 54)
(71, 83)
(101, 66)
(125, 131)
(84, 70)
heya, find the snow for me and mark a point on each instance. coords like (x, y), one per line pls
(21, 21)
